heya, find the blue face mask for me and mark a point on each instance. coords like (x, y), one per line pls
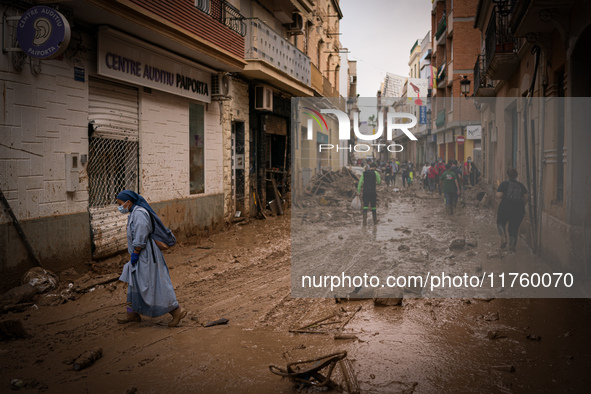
(122, 210)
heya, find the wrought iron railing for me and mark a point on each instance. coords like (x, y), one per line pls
(224, 12)
(499, 38)
(440, 121)
(441, 26)
(479, 74)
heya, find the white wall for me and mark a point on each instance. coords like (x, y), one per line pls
(46, 116)
(164, 147)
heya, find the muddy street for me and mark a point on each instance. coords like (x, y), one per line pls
(243, 274)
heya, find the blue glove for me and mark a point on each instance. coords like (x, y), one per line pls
(134, 258)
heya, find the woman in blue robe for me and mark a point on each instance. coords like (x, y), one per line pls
(150, 292)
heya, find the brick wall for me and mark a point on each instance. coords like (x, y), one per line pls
(236, 110)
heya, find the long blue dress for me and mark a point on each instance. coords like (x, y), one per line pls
(150, 290)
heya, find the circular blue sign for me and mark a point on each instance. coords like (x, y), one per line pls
(43, 32)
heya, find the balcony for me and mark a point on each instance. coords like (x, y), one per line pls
(501, 48)
(441, 29)
(223, 12)
(483, 87)
(440, 121)
(327, 89)
(440, 76)
(266, 45)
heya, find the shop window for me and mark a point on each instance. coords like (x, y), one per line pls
(196, 148)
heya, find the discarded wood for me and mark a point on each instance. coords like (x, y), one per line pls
(349, 376)
(344, 336)
(325, 324)
(278, 198)
(350, 317)
(317, 321)
(19, 230)
(308, 332)
(97, 281)
(257, 203)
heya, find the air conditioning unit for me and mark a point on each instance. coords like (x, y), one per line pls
(297, 26)
(263, 98)
(221, 86)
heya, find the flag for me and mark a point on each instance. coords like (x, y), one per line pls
(433, 80)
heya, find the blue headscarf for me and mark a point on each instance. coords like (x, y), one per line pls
(160, 232)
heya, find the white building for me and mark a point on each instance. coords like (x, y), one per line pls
(112, 112)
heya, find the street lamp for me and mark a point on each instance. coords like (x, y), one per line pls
(465, 85)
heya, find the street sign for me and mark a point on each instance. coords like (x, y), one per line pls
(460, 139)
(423, 115)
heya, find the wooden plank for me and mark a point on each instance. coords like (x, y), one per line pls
(278, 199)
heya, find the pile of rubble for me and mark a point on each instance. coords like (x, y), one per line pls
(330, 188)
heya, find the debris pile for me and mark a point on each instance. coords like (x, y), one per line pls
(332, 188)
(318, 372)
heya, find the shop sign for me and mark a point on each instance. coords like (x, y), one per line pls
(43, 32)
(423, 115)
(474, 132)
(130, 60)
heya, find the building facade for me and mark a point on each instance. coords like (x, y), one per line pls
(127, 105)
(539, 50)
(454, 46)
(186, 103)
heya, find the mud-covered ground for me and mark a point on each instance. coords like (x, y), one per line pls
(426, 345)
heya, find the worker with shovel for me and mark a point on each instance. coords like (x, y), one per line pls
(369, 180)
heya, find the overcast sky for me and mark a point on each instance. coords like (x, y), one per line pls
(379, 35)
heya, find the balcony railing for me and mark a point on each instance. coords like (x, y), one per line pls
(483, 87)
(263, 43)
(441, 26)
(440, 121)
(501, 47)
(223, 12)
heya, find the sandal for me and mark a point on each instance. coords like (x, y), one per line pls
(177, 315)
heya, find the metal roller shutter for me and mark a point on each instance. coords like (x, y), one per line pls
(112, 162)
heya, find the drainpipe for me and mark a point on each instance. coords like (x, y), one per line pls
(531, 209)
(542, 122)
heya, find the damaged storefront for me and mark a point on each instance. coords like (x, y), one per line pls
(271, 149)
(112, 111)
(175, 113)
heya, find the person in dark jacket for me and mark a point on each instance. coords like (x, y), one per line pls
(369, 180)
(513, 195)
(474, 174)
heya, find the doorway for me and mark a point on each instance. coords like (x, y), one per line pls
(238, 166)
